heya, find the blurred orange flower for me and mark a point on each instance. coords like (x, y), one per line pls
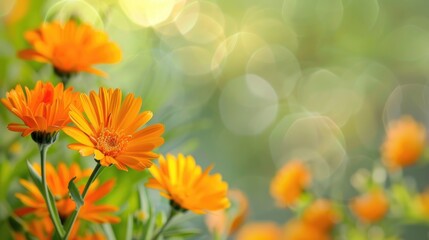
(70, 47)
(111, 132)
(182, 181)
(44, 109)
(289, 183)
(58, 183)
(404, 144)
(229, 220)
(299, 230)
(321, 215)
(260, 231)
(423, 202)
(370, 207)
(43, 229)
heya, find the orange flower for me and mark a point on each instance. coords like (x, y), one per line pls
(43, 109)
(321, 215)
(184, 183)
(110, 130)
(260, 231)
(43, 229)
(404, 143)
(71, 47)
(370, 207)
(229, 220)
(289, 183)
(299, 230)
(58, 183)
(423, 203)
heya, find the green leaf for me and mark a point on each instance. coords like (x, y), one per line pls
(181, 232)
(160, 219)
(108, 231)
(35, 176)
(129, 233)
(38, 181)
(75, 194)
(148, 229)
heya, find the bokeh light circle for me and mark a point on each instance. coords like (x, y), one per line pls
(149, 13)
(316, 140)
(6, 7)
(408, 99)
(248, 105)
(278, 66)
(74, 9)
(324, 92)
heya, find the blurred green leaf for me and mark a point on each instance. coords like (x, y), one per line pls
(75, 194)
(181, 232)
(108, 231)
(129, 233)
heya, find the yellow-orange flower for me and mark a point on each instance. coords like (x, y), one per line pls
(44, 109)
(289, 183)
(404, 144)
(182, 181)
(260, 231)
(370, 207)
(227, 221)
(58, 184)
(423, 203)
(300, 230)
(43, 229)
(111, 132)
(321, 215)
(71, 47)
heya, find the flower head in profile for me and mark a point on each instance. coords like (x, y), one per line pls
(300, 230)
(70, 47)
(289, 183)
(227, 221)
(422, 203)
(43, 110)
(58, 180)
(321, 215)
(260, 231)
(404, 143)
(370, 207)
(183, 182)
(110, 130)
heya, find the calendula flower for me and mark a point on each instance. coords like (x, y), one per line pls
(404, 144)
(227, 221)
(43, 229)
(423, 203)
(183, 182)
(370, 207)
(321, 215)
(110, 130)
(70, 47)
(43, 110)
(260, 231)
(58, 182)
(289, 183)
(300, 230)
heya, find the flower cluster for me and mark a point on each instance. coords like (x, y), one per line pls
(62, 201)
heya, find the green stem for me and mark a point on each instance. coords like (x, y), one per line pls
(173, 213)
(52, 209)
(72, 219)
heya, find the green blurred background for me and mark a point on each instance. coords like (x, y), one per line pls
(246, 85)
